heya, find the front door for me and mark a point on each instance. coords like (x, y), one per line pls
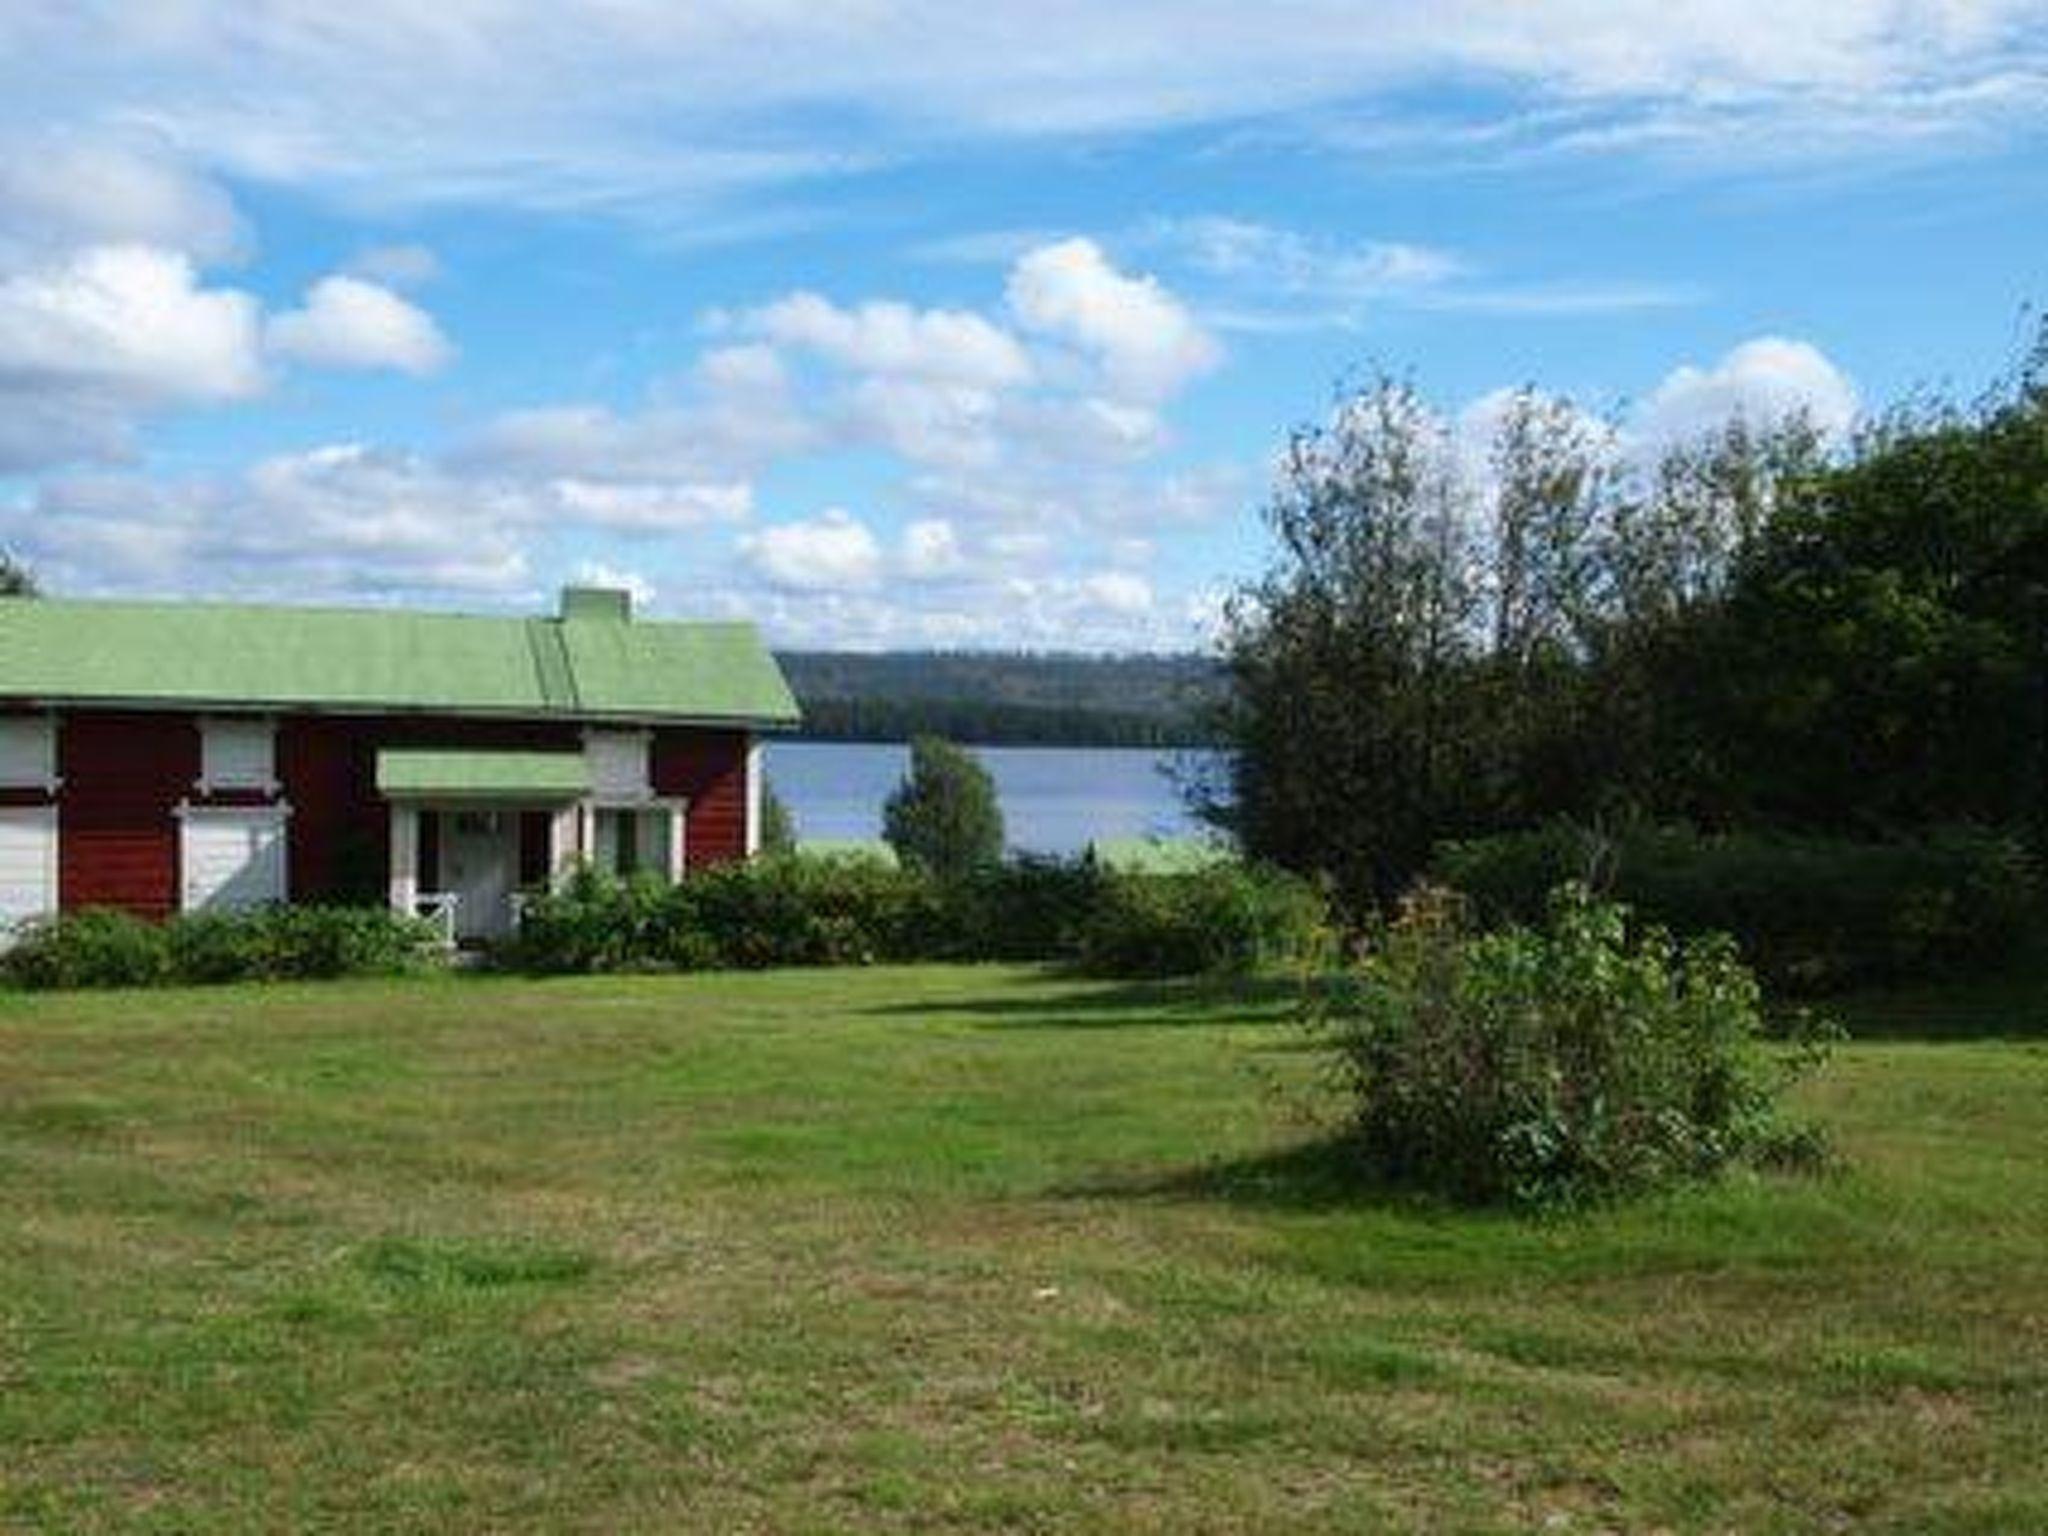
(480, 864)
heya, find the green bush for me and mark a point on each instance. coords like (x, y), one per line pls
(1570, 1062)
(1226, 920)
(1811, 914)
(102, 948)
(98, 947)
(795, 910)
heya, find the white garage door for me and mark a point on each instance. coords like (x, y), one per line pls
(28, 862)
(233, 859)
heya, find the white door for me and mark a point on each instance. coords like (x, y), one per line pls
(28, 863)
(233, 859)
(480, 864)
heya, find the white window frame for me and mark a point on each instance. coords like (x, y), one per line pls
(215, 729)
(43, 777)
(279, 813)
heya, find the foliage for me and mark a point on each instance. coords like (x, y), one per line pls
(1445, 647)
(944, 816)
(1812, 914)
(106, 948)
(1564, 1063)
(93, 948)
(1225, 920)
(1747, 631)
(803, 911)
(16, 579)
(778, 826)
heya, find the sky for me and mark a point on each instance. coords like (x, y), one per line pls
(930, 324)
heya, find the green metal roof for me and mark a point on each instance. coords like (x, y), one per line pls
(597, 662)
(1156, 855)
(539, 775)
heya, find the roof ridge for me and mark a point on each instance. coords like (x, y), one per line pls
(551, 664)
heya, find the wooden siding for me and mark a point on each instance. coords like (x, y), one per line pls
(709, 768)
(124, 775)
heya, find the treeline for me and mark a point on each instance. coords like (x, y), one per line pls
(1755, 630)
(997, 698)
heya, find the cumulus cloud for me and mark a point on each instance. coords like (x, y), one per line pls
(1146, 341)
(888, 338)
(832, 552)
(660, 507)
(349, 322)
(1762, 379)
(93, 341)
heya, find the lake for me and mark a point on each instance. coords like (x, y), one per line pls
(1054, 798)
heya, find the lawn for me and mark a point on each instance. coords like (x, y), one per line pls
(954, 1249)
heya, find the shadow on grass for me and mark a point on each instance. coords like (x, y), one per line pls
(1322, 1175)
(1067, 1001)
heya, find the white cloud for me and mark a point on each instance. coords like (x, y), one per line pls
(58, 194)
(1119, 592)
(641, 508)
(129, 319)
(931, 550)
(1147, 343)
(884, 337)
(90, 343)
(348, 322)
(657, 106)
(1762, 379)
(832, 552)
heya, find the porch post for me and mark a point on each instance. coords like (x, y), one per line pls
(405, 858)
(753, 795)
(562, 850)
(678, 829)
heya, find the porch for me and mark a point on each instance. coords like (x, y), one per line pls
(473, 832)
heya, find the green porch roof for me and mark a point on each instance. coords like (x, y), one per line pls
(410, 774)
(597, 662)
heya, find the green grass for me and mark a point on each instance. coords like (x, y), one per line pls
(953, 1248)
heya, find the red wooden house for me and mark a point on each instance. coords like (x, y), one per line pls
(168, 757)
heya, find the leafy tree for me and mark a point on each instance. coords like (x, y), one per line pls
(944, 816)
(1457, 637)
(16, 579)
(778, 827)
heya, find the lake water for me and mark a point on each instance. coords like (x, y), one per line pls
(1054, 798)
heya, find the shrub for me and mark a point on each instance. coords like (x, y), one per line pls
(103, 948)
(1812, 914)
(1573, 1061)
(1227, 920)
(1026, 908)
(98, 947)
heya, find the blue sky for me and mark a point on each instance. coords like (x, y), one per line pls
(914, 323)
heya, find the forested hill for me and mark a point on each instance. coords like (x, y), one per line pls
(1022, 698)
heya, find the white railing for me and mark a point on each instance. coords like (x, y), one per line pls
(438, 908)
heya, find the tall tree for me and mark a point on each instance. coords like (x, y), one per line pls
(16, 579)
(944, 817)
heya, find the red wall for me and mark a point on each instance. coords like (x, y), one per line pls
(125, 773)
(710, 768)
(117, 838)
